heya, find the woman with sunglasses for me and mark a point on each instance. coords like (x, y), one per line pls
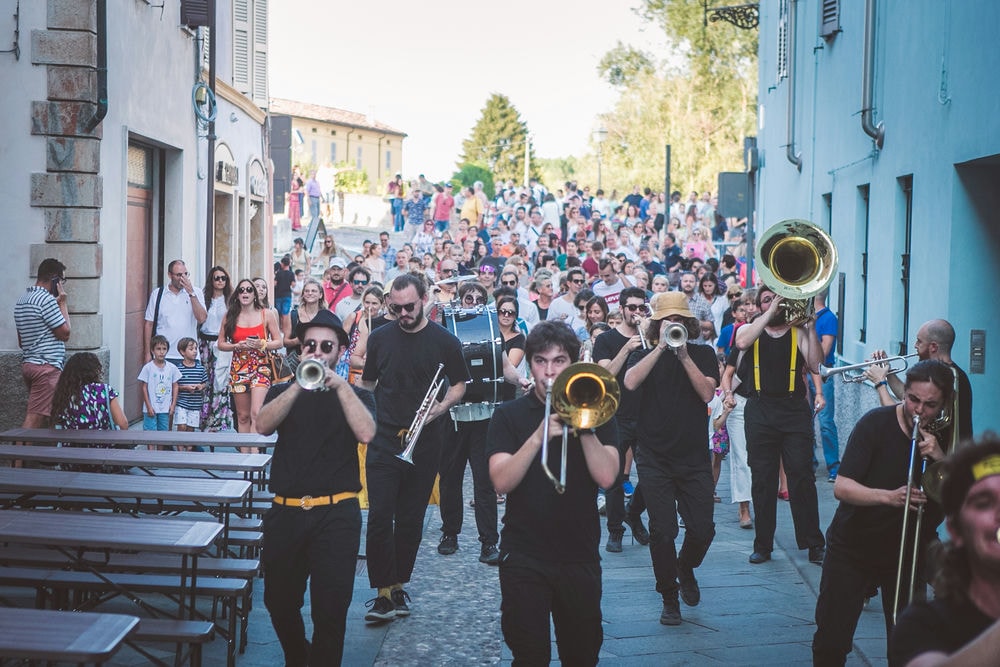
(423, 239)
(513, 342)
(358, 326)
(216, 413)
(249, 330)
(328, 252)
(310, 304)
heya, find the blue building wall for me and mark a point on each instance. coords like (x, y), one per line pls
(937, 91)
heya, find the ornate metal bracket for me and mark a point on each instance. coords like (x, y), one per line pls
(744, 17)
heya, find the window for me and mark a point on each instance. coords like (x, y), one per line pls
(313, 151)
(250, 49)
(359, 158)
(333, 152)
(862, 222)
(906, 209)
(388, 160)
(782, 51)
(829, 19)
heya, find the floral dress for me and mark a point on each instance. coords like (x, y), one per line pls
(89, 409)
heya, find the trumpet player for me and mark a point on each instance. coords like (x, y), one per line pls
(313, 530)
(402, 360)
(865, 537)
(611, 350)
(779, 423)
(550, 570)
(674, 380)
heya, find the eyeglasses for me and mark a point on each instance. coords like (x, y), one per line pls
(360, 282)
(474, 300)
(246, 290)
(506, 313)
(641, 307)
(310, 346)
(397, 308)
(222, 278)
(180, 275)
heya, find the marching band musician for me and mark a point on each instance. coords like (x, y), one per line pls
(313, 530)
(549, 562)
(403, 357)
(675, 468)
(865, 537)
(961, 626)
(611, 350)
(779, 423)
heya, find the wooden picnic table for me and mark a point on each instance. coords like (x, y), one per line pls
(43, 634)
(130, 437)
(144, 459)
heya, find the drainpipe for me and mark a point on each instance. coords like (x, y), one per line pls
(102, 67)
(210, 181)
(790, 153)
(876, 132)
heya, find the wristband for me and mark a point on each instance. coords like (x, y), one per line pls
(883, 383)
(591, 431)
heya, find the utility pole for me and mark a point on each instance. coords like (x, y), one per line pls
(527, 158)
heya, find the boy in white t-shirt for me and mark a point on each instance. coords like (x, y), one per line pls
(158, 383)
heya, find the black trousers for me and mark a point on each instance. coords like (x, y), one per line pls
(397, 502)
(469, 446)
(615, 496)
(319, 545)
(781, 430)
(668, 492)
(532, 591)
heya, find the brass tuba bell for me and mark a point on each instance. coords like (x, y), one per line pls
(797, 260)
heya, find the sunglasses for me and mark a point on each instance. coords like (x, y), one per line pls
(479, 301)
(634, 307)
(222, 278)
(578, 281)
(448, 271)
(310, 346)
(397, 308)
(509, 283)
(506, 313)
(360, 282)
(246, 290)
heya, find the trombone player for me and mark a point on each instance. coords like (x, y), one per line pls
(865, 540)
(549, 561)
(675, 380)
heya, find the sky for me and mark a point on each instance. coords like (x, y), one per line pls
(428, 68)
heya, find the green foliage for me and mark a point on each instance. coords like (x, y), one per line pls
(468, 174)
(498, 140)
(556, 171)
(623, 64)
(350, 179)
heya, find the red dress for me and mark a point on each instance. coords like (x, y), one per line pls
(294, 212)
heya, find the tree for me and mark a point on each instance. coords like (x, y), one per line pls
(498, 140)
(622, 64)
(468, 174)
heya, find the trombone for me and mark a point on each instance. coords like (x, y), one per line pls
(851, 373)
(915, 547)
(410, 435)
(586, 396)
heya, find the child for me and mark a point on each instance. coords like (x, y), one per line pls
(190, 388)
(158, 384)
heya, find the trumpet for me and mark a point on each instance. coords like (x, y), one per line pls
(676, 335)
(586, 396)
(311, 375)
(410, 435)
(851, 373)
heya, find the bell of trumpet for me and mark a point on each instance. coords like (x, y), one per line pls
(797, 260)
(311, 375)
(585, 395)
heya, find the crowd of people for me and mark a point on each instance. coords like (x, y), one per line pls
(707, 366)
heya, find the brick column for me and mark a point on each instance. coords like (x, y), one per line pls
(70, 191)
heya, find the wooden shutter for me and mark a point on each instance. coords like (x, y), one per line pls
(194, 13)
(829, 24)
(241, 46)
(259, 76)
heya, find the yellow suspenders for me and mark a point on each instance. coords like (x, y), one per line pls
(791, 363)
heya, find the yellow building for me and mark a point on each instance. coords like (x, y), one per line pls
(320, 135)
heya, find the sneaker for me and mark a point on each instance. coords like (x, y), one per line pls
(601, 504)
(639, 531)
(628, 488)
(832, 478)
(690, 592)
(758, 557)
(489, 555)
(614, 544)
(400, 598)
(671, 614)
(380, 609)
(448, 544)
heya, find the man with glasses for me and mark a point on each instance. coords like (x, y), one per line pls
(611, 350)
(174, 311)
(388, 252)
(358, 279)
(313, 530)
(401, 363)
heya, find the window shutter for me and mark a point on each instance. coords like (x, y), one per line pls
(829, 19)
(241, 46)
(259, 81)
(782, 52)
(194, 13)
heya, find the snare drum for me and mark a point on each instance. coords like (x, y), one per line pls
(482, 347)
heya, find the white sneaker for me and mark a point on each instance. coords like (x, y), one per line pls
(601, 502)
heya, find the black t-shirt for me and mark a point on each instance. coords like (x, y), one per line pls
(775, 355)
(964, 406)
(404, 364)
(317, 452)
(673, 418)
(538, 521)
(380, 321)
(607, 346)
(877, 455)
(508, 392)
(937, 625)
(283, 281)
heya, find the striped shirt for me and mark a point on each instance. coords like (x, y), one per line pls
(191, 400)
(37, 315)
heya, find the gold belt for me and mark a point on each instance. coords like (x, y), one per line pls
(309, 502)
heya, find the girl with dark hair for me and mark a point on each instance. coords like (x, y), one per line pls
(216, 413)
(83, 401)
(595, 311)
(249, 331)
